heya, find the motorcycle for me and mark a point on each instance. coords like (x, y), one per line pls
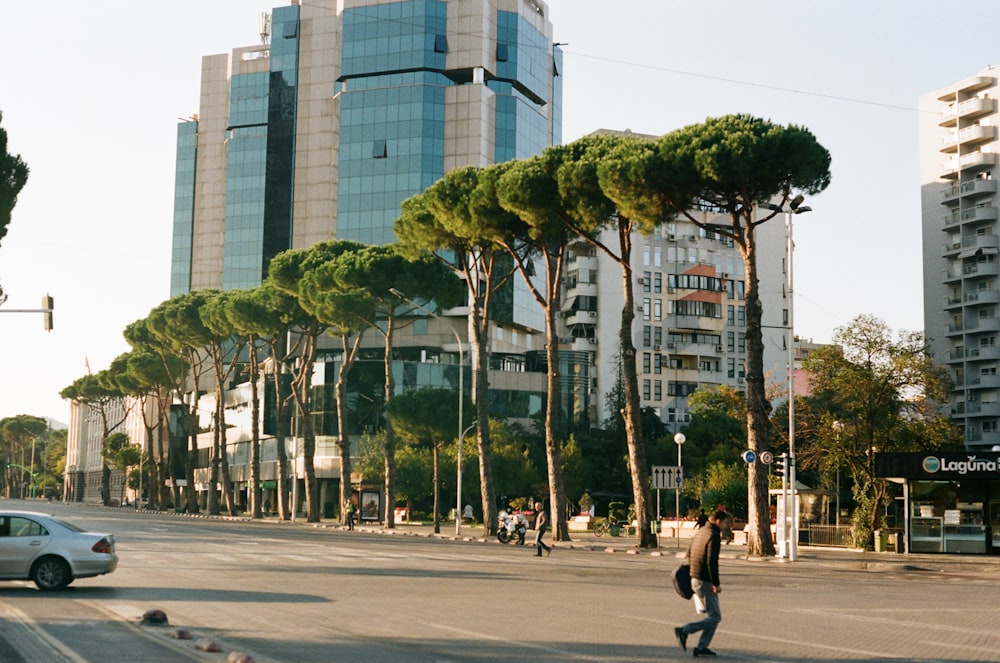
(512, 528)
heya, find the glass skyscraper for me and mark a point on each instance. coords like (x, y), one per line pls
(344, 110)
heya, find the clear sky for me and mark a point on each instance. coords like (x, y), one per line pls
(91, 93)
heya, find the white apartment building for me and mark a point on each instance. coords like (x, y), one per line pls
(690, 324)
(958, 158)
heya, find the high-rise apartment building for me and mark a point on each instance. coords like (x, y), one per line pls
(959, 147)
(690, 322)
(347, 108)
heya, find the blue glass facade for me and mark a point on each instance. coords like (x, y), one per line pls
(391, 147)
(260, 159)
(522, 85)
(392, 117)
(183, 230)
(393, 106)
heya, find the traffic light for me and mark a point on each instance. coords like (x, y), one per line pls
(47, 306)
(781, 464)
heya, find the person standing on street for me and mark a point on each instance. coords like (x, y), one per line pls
(541, 524)
(350, 514)
(704, 560)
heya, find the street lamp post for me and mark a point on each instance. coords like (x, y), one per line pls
(795, 206)
(838, 427)
(458, 488)
(679, 439)
(461, 393)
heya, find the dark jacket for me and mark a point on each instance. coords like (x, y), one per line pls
(542, 520)
(704, 554)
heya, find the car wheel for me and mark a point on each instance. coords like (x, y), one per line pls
(51, 573)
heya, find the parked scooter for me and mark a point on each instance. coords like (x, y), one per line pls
(512, 528)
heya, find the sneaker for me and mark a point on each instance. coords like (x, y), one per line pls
(704, 652)
(682, 638)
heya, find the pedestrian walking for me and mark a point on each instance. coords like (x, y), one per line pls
(726, 526)
(703, 556)
(541, 524)
(267, 507)
(350, 514)
(702, 519)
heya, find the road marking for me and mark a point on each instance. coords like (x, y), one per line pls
(13, 614)
(506, 638)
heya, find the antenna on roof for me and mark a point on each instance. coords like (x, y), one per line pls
(265, 28)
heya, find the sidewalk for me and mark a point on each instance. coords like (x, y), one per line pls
(852, 558)
(847, 558)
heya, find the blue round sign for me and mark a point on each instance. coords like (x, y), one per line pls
(749, 455)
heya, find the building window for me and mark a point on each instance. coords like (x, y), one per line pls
(658, 363)
(646, 336)
(501, 52)
(440, 44)
(646, 360)
(658, 282)
(657, 309)
(645, 390)
(731, 368)
(657, 336)
(379, 150)
(657, 390)
(741, 315)
(731, 315)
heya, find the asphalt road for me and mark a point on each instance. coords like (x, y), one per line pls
(297, 592)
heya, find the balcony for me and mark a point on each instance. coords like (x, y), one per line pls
(982, 325)
(968, 86)
(986, 353)
(980, 270)
(952, 302)
(968, 109)
(972, 188)
(969, 136)
(983, 241)
(982, 297)
(984, 382)
(981, 212)
(951, 275)
(951, 247)
(970, 162)
(580, 317)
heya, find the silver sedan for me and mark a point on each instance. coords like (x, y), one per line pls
(51, 552)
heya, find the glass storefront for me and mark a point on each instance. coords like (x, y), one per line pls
(948, 516)
(952, 500)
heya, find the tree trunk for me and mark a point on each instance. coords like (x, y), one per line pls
(192, 458)
(105, 485)
(213, 494)
(553, 450)
(480, 379)
(343, 438)
(153, 480)
(281, 499)
(255, 492)
(638, 465)
(437, 489)
(759, 543)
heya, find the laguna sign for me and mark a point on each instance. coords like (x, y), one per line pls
(938, 466)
